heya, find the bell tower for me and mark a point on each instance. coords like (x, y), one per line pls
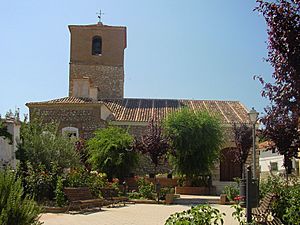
(97, 61)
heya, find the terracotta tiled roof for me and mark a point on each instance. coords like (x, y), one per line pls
(142, 110)
(266, 145)
(66, 100)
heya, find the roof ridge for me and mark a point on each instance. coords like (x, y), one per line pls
(171, 99)
(72, 99)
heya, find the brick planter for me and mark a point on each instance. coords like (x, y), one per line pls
(195, 190)
(223, 199)
(169, 199)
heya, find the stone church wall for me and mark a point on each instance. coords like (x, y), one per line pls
(134, 130)
(86, 119)
(108, 79)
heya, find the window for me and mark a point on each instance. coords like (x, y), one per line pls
(70, 132)
(97, 45)
(274, 166)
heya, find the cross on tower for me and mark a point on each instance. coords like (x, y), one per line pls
(100, 13)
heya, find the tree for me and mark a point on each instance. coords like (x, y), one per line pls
(196, 138)
(153, 143)
(282, 116)
(41, 144)
(243, 141)
(110, 152)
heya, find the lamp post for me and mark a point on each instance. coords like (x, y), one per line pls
(251, 182)
(253, 115)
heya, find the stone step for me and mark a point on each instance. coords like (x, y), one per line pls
(195, 201)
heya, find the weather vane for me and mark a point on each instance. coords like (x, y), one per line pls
(100, 13)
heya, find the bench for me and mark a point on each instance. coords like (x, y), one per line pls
(81, 197)
(111, 195)
(264, 210)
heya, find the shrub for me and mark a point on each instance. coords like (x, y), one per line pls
(200, 214)
(41, 183)
(287, 205)
(96, 181)
(231, 192)
(292, 202)
(14, 208)
(59, 193)
(146, 189)
(42, 144)
(77, 177)
(270, 185)
(239, 214)
(115, 185)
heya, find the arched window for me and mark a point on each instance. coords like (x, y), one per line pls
(97, 45)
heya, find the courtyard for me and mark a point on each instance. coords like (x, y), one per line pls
(131, 214)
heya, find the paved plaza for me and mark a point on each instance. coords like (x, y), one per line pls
(131, 214)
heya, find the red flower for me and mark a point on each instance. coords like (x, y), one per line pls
(239, 198)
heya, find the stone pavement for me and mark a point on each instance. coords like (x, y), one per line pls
(138, 214)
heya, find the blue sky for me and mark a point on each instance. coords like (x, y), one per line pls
(191, 49)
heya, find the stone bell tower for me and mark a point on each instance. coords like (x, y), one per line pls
(97, 61)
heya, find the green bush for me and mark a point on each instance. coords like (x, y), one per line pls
(231, 191)
(77, 177)
(146, 189)
(270, 185)
(41, 183)
(96, 181)
(15, 208)
(59, 193)
(287, 204)
(239, 214)
(200, 214)
(292, 201)
(43, 144)
(115, 185)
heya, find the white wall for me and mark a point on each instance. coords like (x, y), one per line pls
(265, 163)
(7, 149)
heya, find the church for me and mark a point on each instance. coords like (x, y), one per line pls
(96, 96)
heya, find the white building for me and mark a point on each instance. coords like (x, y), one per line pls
(9, 147)
(272, 162)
